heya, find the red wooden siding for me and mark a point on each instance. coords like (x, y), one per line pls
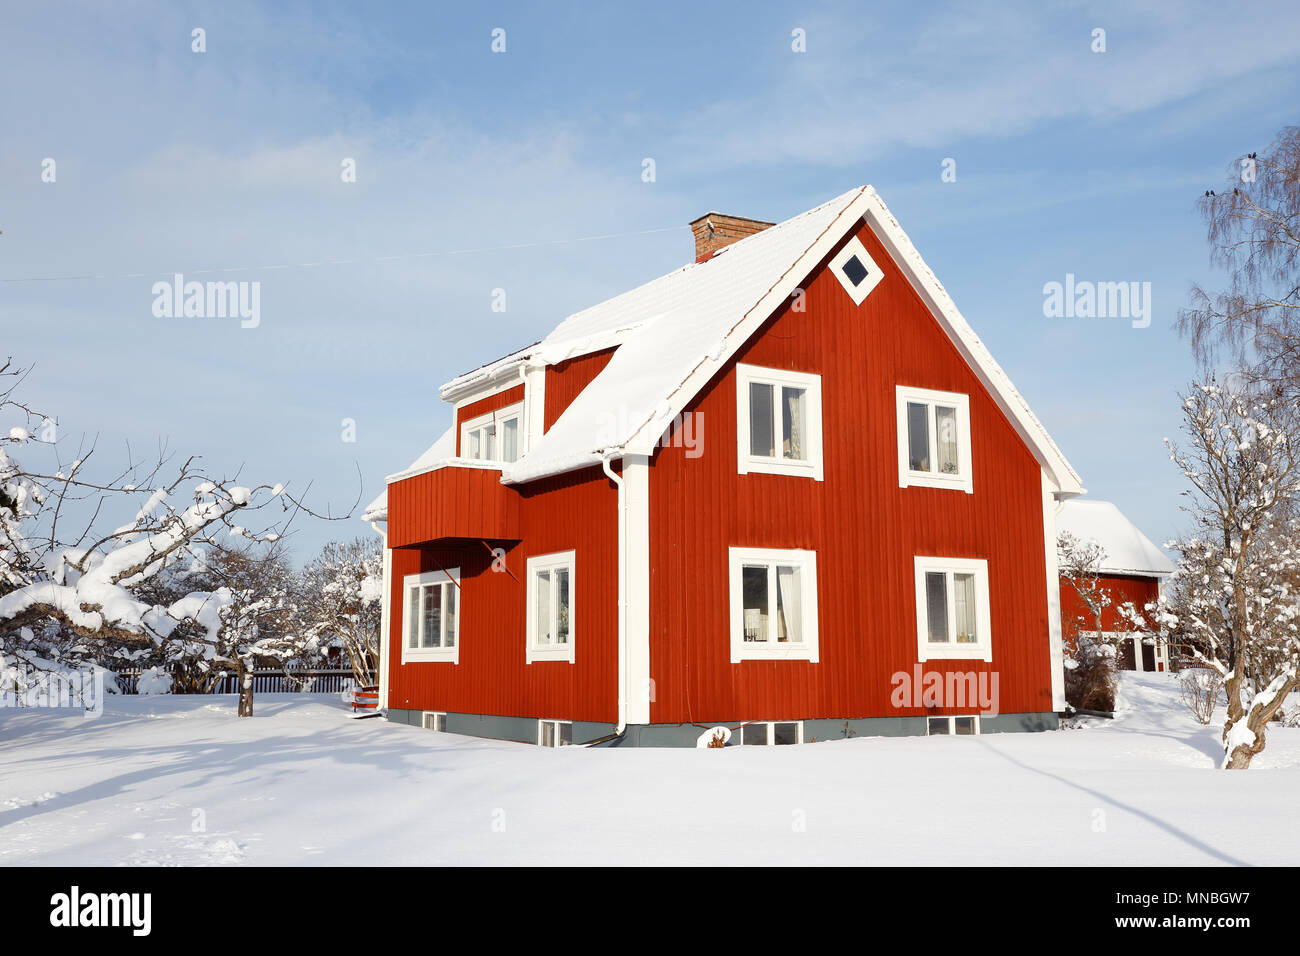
(452, 502)
(565, 380)
(865, 529)
(1121, 588)
(511, 396)
(575, 512)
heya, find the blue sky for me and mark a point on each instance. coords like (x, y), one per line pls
(1068, 161)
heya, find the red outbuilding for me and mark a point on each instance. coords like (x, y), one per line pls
(784, 490)
(1130, 570)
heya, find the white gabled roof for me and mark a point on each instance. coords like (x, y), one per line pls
(1128, 550)
(677, 331)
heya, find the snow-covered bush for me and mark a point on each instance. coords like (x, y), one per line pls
(1201, 690)
(153, 680)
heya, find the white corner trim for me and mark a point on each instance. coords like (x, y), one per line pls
(964, 480)
(853, 249)
(534, 652)
(386, 623)
(982, 649)
(640, 685)
(742, 650)
(1055, 645)
(416, 655)
(810, 467)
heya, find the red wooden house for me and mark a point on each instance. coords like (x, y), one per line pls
(784, 489)
(1131, 571)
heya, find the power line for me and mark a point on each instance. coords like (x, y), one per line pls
(342, 262)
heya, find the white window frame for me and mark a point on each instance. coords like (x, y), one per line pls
(497, 418)
(431, 719)
(809, 467)
(806, 561)
(738, 735)
(965, 478)
(448, 579)
(952, 725)
(982, 649)
(858, 293)
(556, 724)
(535, 652)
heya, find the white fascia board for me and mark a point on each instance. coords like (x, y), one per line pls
(972, 349)
(867, 205)
(647, 436)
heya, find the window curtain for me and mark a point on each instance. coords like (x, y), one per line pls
(794, 423)
(790, 604)
(945, 420)
(964, 599)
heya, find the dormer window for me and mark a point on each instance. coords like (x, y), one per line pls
(856, 270)
(496, 436)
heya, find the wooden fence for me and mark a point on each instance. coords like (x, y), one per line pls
(265, 681)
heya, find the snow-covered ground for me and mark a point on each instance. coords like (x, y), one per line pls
(181, 780)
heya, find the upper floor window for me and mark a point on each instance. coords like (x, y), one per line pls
(496, 436)
(550, 607)
(952, 609)
(934, 447)
(773, 604)
(430, 619)
(779, 421)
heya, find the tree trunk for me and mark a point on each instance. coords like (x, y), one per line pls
(245, 675)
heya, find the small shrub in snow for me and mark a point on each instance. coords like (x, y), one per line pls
(154, 680)
(1200, 688)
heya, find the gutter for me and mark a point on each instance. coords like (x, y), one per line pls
(606, 457)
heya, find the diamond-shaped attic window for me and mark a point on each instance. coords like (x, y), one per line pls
(856, 270)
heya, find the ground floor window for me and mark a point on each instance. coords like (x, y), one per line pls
(431, 616)
(773, 604)
(550, 607)
(952, 609)
(772, 733)
(554, 733)
(968, 724)
(435, 720)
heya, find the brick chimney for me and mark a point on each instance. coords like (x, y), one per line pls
(714, 230)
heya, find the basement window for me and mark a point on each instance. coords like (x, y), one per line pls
(773, 604)
(966, 725)
(431, 616)
(773, 733)
(952, 609)
(435, 720)
(857, 271)
(554, 733)
(550, 607)
(778, 422)
(934, 446)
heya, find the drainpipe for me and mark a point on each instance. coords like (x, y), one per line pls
(606, 458)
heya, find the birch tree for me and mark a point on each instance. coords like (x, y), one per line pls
(1232, 603)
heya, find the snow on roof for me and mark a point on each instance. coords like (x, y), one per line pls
(1128, 550)
(440, 451)
(676, 332)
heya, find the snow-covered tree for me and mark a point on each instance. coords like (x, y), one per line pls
(1090, 650)
(71, 585)
(340, 602)
(1233, 602)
